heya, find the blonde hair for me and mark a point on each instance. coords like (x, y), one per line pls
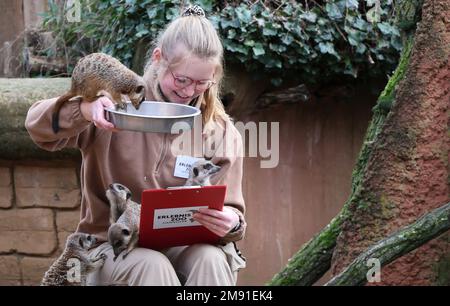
(200, 39)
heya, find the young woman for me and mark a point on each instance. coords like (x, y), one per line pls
(185, 67)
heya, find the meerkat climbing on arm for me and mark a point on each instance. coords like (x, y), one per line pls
(98, 72)
(77, 247)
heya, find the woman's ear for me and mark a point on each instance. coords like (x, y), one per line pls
(156, 55)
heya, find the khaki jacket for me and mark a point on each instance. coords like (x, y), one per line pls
(135, 159)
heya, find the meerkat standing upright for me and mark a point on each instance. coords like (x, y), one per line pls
(123, 233)
(98, 72)
(118, 196)
(200, 173)
(77, 247)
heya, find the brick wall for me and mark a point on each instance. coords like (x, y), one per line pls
(39, 208)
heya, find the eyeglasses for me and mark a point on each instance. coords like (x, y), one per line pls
(183, 82)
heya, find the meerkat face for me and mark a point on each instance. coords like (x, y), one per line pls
(202, 169)
(138, 95)
(81, 240)
(119, 237)
(118, 193)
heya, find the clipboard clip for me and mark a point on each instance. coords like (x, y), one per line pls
(183, 187)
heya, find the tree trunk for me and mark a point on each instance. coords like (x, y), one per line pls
(414, 141)
(387, 250)
(406, 174)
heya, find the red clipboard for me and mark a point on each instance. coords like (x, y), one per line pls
(166, 216)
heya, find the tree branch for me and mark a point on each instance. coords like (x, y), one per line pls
(313, 260)
(396, 245)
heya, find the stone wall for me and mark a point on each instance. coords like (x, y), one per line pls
(39, 190)
(39, 208)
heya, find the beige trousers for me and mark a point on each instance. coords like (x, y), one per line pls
(195, 265)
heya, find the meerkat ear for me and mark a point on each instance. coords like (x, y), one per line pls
(139, 88)
(128, 195)
(80, 241)
(195, 170)
(125, 232)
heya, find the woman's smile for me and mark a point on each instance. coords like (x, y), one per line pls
(182, 97)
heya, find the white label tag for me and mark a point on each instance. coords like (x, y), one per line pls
(183, 164)
(175, 217)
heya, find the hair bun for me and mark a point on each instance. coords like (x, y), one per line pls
(194, 11)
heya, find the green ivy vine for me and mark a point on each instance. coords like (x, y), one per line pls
(307, 40)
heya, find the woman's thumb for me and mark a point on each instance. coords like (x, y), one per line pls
(107, 102)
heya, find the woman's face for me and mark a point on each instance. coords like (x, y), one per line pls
(198, 72)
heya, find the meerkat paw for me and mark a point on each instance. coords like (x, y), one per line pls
(103, 257)
(121, 106)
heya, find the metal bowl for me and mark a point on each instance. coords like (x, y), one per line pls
(159, 117)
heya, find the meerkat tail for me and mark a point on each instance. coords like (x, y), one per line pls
(57, 108)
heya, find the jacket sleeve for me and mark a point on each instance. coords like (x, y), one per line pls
(74, 128)
(230, 158)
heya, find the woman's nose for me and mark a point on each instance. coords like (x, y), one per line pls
(189, 90)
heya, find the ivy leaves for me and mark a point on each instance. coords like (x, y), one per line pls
(313, 42)
(280, 38)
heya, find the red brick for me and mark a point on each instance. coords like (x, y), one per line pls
(67, 221)
(29, 231)
(34, 177)
(46, 187)
(9, 271)
(6, 192)
(33, 269)
(62, 238)
(5, 177)
(6, 197)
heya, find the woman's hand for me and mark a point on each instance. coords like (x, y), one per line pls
(94, 112)
(218, 222)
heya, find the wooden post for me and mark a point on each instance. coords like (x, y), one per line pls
(11, 28)
(32, 11)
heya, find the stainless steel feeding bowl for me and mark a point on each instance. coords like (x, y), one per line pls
(159, 117)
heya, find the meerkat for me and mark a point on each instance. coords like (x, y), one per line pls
(99, 72)
(123, 233)
(118, 196)
(200, 173)
(77, 247)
